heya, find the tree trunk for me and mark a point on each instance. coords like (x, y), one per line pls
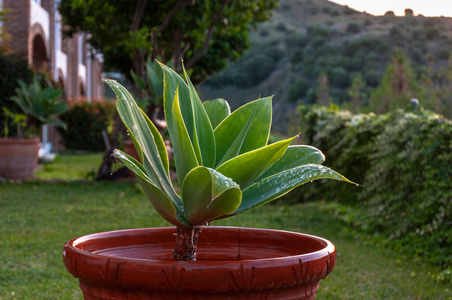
(186, 241)
(104, 172)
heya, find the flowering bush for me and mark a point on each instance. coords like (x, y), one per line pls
(85, 123)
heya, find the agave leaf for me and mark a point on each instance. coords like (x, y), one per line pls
(159, 142)
(203, 137)
(144, 140)
(59, 108)
(234, 148)
(172, 82)
(161, 202)
(55, 122)
(155, 81)
(296, 155)
(53, 93)
(258, 114)
(217, 110)
(130, 162)
(137, 80)
(140, 134)
(245, 168)
(277, 185)
(184, 154)
(207, 195)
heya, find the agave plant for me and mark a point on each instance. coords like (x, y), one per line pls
(223, 162)
(40, 105)
(151, 87)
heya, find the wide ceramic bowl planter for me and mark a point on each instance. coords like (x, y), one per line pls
(233, 263)
(18, 157)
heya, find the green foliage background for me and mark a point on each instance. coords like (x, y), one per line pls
(320, 37)
(85, 123)
(109, 24)
(403, 160)
(17, 68)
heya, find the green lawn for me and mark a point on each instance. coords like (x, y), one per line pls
(70, 167)
(37, 218)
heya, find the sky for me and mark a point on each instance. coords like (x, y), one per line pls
(431, 8)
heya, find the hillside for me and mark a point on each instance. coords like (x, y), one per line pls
(309, 47)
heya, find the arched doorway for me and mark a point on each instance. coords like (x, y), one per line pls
(81, 88)
(39, 54)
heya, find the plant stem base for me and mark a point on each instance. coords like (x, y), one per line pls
(186, 241)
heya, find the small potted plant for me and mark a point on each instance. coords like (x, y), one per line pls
(224, 167)
(19, 156)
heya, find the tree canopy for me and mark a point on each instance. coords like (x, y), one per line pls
(206, 34)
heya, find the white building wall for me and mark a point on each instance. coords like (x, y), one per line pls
(82, 74)
(40, 16)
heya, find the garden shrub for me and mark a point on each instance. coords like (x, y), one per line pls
(297, 56)
(373, 77)
(408, 191)
(297, 90)
(296, 40)
(85, 123)
(14, 68)
(264, 33)
(431, 32)
(281, 27)
(403, 160)
(250, 70)
(259, 67)
(338, 77)
(318, 30)
(353, 28)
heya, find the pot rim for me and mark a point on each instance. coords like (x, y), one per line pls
(234, 275)
(72, 244)
(20, 140)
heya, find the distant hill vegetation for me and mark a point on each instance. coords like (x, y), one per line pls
(312, 49)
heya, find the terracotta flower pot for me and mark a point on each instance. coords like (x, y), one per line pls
(18, 157)
(233, 263)
(130, 149)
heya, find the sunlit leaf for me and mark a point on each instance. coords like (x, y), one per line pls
(184, 154)
(159, 142)
(234, 148)
(296, 155)
(203, 138)
(138, 127)
(275, 186)
(258, 115)
(217, 110)
(172, 82)
(245, 168)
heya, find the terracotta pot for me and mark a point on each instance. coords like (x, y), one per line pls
(233, 263)
(129, 148)
(18, 157)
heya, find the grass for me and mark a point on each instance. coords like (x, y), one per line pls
(69, 166)
(37, 218)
